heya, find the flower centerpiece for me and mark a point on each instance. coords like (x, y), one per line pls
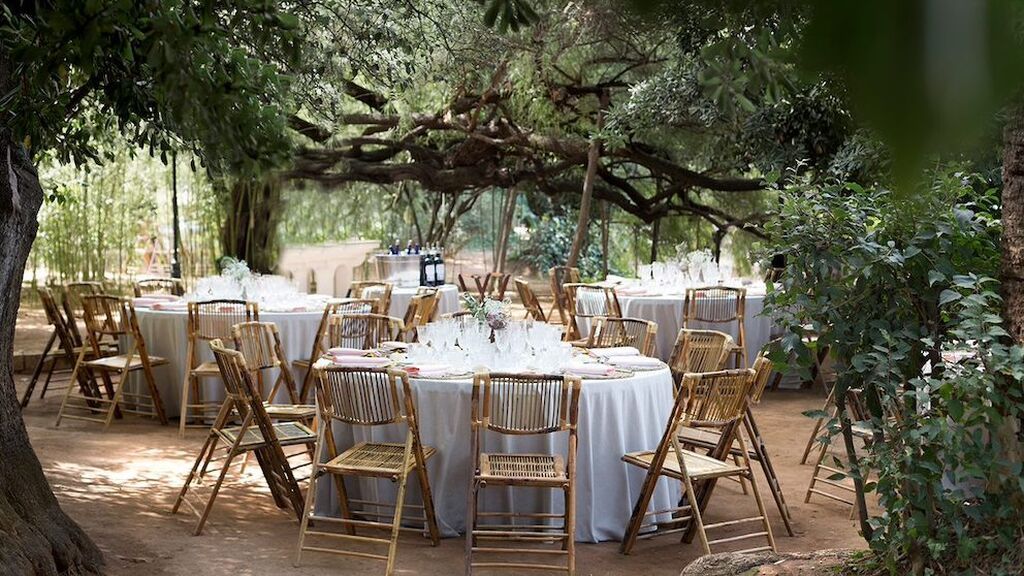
(495, 313)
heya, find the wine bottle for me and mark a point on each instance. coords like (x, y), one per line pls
(440, 267)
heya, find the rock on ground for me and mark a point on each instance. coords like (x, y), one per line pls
(769, 563)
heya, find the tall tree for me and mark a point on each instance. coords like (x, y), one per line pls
(165, 73)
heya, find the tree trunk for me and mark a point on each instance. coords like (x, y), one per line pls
(250, 232)
(593, 156)
(507, 217)
(605, 224)
(36, 537)
(655, 238)
(1012, 264)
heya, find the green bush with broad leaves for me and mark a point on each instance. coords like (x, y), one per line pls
(893, 285)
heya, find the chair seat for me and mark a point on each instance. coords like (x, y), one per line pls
(374, 459)
(523, 468)
(707, 439)
(303, 364)
(118, 362)
(290, 411)
(288, 434)
(206, 369)
(698, 466)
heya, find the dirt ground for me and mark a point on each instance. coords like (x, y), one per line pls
(120, 484)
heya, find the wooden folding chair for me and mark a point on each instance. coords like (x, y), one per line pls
(363, 331)
(420, 310)
(758, 450)
(823, 479)
(66, 351)
(379, 291)
(530, 302)
(427, 291)
(147, 286)
(715, 400)
(587, 302)
(207, 321)
(255, 433)
(559, 276)
(260, 345)
(719, 305)
(699, 351)
(367, 398)
(523, 404)
(73, 310)
(610, 332)
(110, 316)
(347, 306)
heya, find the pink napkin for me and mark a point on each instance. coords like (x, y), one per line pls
(341, 351)
(145, 302)
(635, 362)
(164, 297)
(171, 306)
(630, 291)
(581, 369)
(428, 370)
(615, 351)
(361, 361)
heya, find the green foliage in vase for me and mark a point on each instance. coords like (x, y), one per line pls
(890, 284)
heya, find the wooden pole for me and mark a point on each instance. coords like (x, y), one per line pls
(507, 217)
(175, 217)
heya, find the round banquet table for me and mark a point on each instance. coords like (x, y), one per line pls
(166, 335)
(667, 311)
(447, 302)
(616, 416)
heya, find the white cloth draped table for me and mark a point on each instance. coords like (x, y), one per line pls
(447, 300)
(616, 416)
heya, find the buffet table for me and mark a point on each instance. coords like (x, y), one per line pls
(616, 416)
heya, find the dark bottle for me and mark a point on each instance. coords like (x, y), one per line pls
(416, 248)
(408, 248)
(439, 267)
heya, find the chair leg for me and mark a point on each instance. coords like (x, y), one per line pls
(49, 377)
(570, 526)
(154, 394)
(757, 444)
(817, 466)
(817, 427)
(636, 520)
(471, 513)
(67, 393)
(430, 517)
(215, 490)
(399, 503)
(39, 370)
(757, 497)
(695, 513)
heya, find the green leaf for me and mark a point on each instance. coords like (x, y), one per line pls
(948, 296)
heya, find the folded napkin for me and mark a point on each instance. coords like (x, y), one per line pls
(145, 302)
(175, 305)
(615, 351)
(164, 297)
(630, 291)
(581, 369)
(394, 345)
(635, 362)
(341, 351)
(361, 361)
(425, 370)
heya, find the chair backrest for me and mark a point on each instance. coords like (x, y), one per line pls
(714, 304)
(76, 290)
(525, 403)
(172, 286)
(260, 345)
(114, 316)
(213, 319)
(363, 331)
(763, 370)
(609, 332)
(236, 375)
(379, 291)
(699, 351)
(362, 396)
(715, 399)
(586, 301)
(358, 306)
(530, 302)
(420, 310)
(56, 318)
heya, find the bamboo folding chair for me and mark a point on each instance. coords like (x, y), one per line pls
(517, 405)
(73, 308)
(260, 345)
(66, 351)
(824, 474)
(379, 291)
(586, 302)
(699, 351)
(559, 276)
(347, 306)
(147, 286)
(719, 305)
(367, 398)
(610, 332)
(207, 321)
(363, 331)
(713, 400)
(758, 450)
(110, 316)
(420, 310)
(255, 433)
(530, 302)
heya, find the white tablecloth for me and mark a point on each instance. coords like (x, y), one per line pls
(616, 417)
(447, 303)
(166, 335)
(667, 311)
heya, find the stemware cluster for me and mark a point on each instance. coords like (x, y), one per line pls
(465, 344)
